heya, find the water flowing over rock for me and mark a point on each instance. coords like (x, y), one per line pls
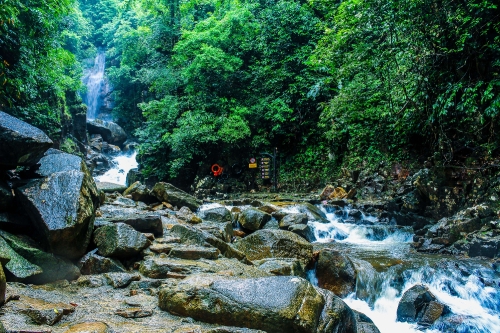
(418, 304)
(276, 304)
(98, 89)
(62, 204)
(20, 143)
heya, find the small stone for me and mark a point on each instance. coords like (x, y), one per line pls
(121, 280)
(89, 327)
(194, 252)
(134, 313)
(161, 248)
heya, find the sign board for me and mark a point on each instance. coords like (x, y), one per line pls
(253, 160)
(265, 167)
(252, 166)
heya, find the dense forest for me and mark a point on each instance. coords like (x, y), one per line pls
(331, 84)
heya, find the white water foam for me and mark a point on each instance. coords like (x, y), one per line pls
(94, 80)
(123, 163)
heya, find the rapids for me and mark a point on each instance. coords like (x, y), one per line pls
(387, 266)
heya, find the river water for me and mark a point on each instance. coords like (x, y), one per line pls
(122, 164)
(387, 266)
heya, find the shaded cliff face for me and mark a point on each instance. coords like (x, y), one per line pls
(98, 95)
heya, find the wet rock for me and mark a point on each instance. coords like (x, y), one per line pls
(169, 193)
(313, 212)
(42, 312)
(336, 272)
(336, 316)
(253, 219)
(415, 306)
(364, 323)
(3, 286)
(20, 143)
(119, 240)
(144, 223)
(92, 263)
(338, 193)
(221, 230)
(217, 214)
(327, 191)
(134, 312)
(124, 202)
(194, 252)
(193, 236)
(227, 329)
(161, 248)
(162, 268)
(107, 187)
(187, 215)
(139, 192)
(281, 266)
(90, 327)
(92, 281)
(6, 197)
(121, 280)
(62, 204)
(292, 219)
(110, 132)
(304, 231)
(273, 304)
(17, 265)
(14, 223)
(275, 244)
(52, 268)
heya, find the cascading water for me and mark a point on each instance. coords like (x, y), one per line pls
(387, 267)
(94, 82)
(123, 163)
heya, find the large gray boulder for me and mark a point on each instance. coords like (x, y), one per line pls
(166, 192)
(92, 263)
(217, 214)
(419, 305)
(62, 204)
(278, 304)
(336, 272)
(275, 244)
(20, 143)
(119, 240)
(110, 132)
(253, 218)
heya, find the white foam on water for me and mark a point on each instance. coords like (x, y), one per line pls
(123, 163)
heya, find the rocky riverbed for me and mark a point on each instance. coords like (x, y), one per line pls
(78, 258)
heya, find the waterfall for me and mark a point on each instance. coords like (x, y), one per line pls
(94, 82)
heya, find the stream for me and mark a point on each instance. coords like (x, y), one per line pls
(387, 266)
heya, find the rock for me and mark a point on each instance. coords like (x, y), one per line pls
(121, 280)
(187, 215)
(3, 286)
(92, 263)
(42, 312)
(364, 323)
(253, 219)
(14, 223)
(17, 265)
(336, 315)
(275, 244)
(351, 194)
(107, 187)
(273, 304)
(92, 281)
(162, 268)
(110, 132)
(327, 191)
(134, 312)
(335, 272)
(313, 212)
(53, 268)
(139, 192)
(281, 266)
(6, 197)
(193, 236)
(169, 193)
(291, 219)
(125, 202)
(119, 240)
(226, 329)
(415, 306)
(144, 223)
(62, 204)
(221, 230)
(89, 327)
(20, 143)
(338, 193)
(217, 214)
(194, 252)
(304, 231)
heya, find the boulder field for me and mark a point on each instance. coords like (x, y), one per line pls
(76, 259)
